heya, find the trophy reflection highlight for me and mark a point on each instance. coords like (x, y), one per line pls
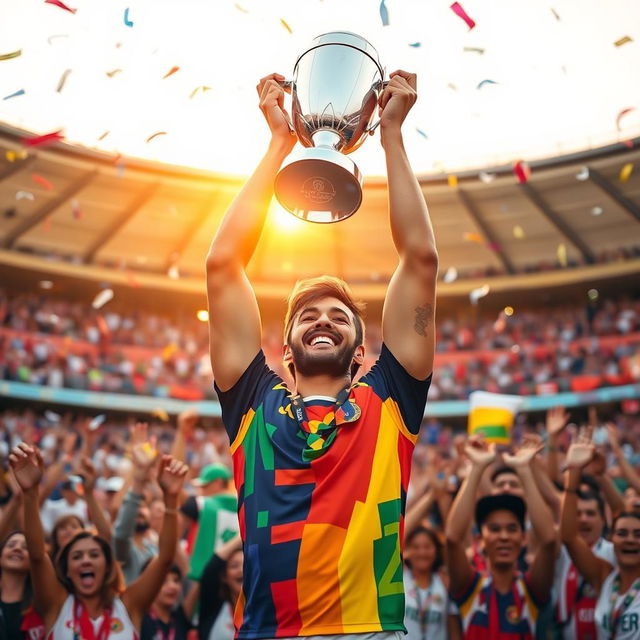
(335, 90)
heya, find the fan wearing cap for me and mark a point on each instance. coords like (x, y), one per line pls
(500, 603)
(211, 517)
(617, 589)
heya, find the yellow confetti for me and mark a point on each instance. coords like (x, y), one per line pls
(623, 40)
(625, 172)
(13, 54)
(283, 22)
(10, 156)
(470, 236)
(518, 232)
(453, 181)
(161, 414)
(562, 254)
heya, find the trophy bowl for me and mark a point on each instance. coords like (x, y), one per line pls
(334, 94)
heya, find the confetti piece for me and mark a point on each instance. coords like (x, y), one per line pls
(597, 211)
(518, 232)
(57, 35)
(127, 22)
(12, 54)
(43, 182)
(561, 252)
(450, 275)
(37, 141)
(173, 272)
(583, 174)
(422, 133)
(485, 82)
(63, 79)
(20, 92)
(52, 416)
(625, 172)
(477, 50)
(452, 86)
(623, 40)
(494, 246)
(161, 414)
(120, 167)
(10, 156)
(240, 8)
(104, 135)
(415, 45)
(283, 22)
(452, 181)
(622, 114)
(628, 143)
(480, 292)
(202, 88)
(97, 421)
(131, 279)
(102, 298)
(25, 195)
(384, 14)
(111, 74)
(460, 12)
(156, 134)
(471, 236)
(522, 171)
(46, 284)
(76, 211)
(57, 3)
(170, 72)
(555, 14)
(487, 177)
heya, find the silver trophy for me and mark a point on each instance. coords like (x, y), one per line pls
(335, 89)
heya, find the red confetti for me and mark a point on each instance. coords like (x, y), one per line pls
(170, 72)
(622, 114)
(36, 141)
(57, 3)
(132, 280)
(522, 171)
(628, 143)
(459, 11)
(43, 182)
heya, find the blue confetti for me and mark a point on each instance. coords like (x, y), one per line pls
(384, 14)
(422, 133)
(484, 82)
(127, 22)
(21, 92)
(415, 45)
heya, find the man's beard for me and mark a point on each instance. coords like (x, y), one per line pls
(335, 365)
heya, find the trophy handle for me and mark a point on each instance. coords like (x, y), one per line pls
(383, 85)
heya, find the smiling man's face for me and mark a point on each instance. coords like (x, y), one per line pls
(322, 340)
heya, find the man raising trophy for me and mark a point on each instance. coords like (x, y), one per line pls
(322, 466)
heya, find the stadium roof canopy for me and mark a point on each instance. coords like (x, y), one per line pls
(564, 99)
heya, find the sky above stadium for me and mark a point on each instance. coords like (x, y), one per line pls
(174, 81)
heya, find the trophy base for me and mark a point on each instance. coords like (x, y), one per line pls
(320, 185)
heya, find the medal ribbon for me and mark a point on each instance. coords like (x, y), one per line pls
(616, 614)
(494, 614)
(319, 442)
(83, 627)
(423, 614)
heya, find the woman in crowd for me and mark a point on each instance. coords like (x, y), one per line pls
(17, 618)
(220, 587)
(81, 597)
(428, 615)
(617, 612)
(164, 619)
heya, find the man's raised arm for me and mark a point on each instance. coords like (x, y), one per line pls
(409, 308)
(234, 318)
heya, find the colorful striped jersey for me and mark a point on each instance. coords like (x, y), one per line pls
(487, 614)
(322, 537)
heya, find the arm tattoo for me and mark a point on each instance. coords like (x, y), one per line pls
(423, 317)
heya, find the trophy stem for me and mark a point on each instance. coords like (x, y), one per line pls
(327, 138)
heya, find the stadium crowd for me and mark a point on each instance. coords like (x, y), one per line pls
(57, 343)
(111, 510)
